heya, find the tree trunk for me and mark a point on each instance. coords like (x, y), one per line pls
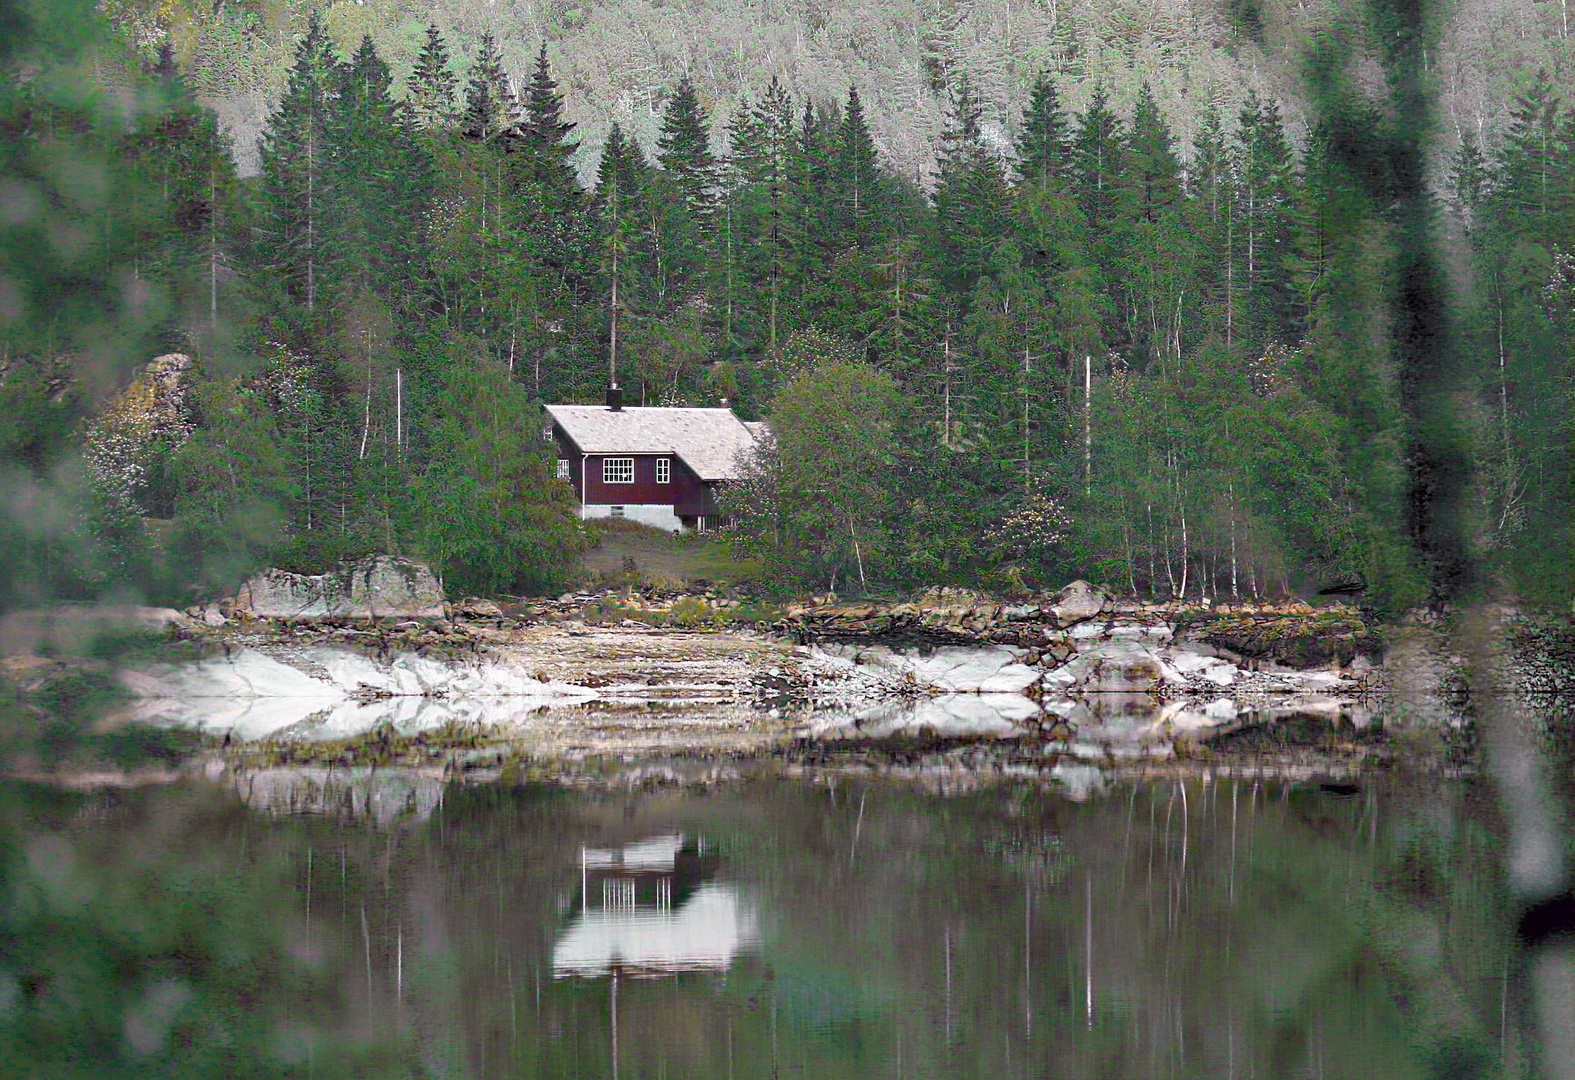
(366, 423)
(1234, 591)
(1088, 424)
(1027, 474)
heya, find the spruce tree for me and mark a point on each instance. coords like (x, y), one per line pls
(857, 178)
(1528, 165)
(775, 116)
(1210, 210)
(1044, 145)
(684, 151)
(810, 180)
(1097, 155)
(1469, 180)
(619, 184)
(375, 164)
(186, 195)
(546, 136)
(1316, 223)
(490, 106)
(431, 85)
(972, 202)
(622, 168)
(746, 147)
(960, 138)
(297, 205)
(1266, 189)
(1157, 261)
(1153, 173)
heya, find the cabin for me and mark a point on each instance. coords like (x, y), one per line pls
(655, 465)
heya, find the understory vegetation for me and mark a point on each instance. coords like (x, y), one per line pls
(1082, 344)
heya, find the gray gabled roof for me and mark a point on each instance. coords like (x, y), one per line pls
(712, 442)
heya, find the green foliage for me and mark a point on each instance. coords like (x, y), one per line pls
(1207, 375)
(490, 105)
(493, 517)
(235, 490)
(834, 426)
(429, 98)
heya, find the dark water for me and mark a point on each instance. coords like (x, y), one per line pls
(759, 927)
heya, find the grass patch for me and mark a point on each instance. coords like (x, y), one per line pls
(685, 613)
(628, 553)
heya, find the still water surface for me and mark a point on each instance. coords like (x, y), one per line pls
(764, 926)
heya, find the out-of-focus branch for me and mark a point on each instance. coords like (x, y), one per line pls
(1535, 860)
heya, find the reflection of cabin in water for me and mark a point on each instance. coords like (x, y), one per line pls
(649, 909)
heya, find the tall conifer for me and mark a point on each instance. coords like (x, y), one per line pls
(858, 179)
(490, 105)
(1526, 187)
(431, 85)
(1097, 163)
(297, 203)
(1153, 171)
(971, 199)
(1044, 144)
(1265, 192)
(684, 151)
(546, 135)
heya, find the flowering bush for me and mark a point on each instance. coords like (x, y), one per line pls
(1557, 297)
(1034, 530)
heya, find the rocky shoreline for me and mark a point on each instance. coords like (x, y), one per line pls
(1077, 677)
(1073, 690)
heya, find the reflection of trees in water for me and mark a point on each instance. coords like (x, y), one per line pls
(157, 934)
(1233, 928)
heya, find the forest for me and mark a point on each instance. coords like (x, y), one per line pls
(1097, 348)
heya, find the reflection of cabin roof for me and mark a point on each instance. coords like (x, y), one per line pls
(710, 441)
(704, 934)
(657, 853)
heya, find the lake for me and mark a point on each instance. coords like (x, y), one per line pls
(758, 919)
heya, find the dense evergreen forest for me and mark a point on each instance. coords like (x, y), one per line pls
(1103, 350)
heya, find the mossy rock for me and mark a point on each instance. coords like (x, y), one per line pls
(1295, 641)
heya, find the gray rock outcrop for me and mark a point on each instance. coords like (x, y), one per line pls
(1078, 602)
(377, 587)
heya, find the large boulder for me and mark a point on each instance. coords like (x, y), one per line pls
(376, 587)
(1292, 638)
(1077, 602)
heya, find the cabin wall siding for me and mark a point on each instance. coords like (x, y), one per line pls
(688, 495)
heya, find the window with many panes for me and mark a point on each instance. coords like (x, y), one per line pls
(618, 470)
(563, 468)
(664, 470)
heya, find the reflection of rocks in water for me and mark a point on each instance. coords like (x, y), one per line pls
(333, 693)
(1327, 726)
(380, 796)
(650, 908)
(955, 670)
(955, 716)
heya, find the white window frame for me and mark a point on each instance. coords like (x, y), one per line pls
(563, 468)
(664, 470)
(618, 470)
